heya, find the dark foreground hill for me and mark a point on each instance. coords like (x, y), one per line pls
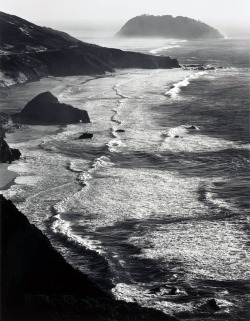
(169, 27)
(37, 284)
(29, 52)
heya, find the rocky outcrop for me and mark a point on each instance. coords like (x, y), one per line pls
(46, 108)
(212, 306)
(37, 284)
(199, 67)
(169, 27)
(191, 127)
(7, 154)
(30, 52)
(86, 136)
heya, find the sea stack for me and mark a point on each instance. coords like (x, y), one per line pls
(46, 108)
(168, 27)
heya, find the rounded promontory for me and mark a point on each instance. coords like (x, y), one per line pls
(45, 107)
(168, 27)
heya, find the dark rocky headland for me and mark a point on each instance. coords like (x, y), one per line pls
(169, 27)
(30, 52)
(7, 154)
(45, 108)
(37, 284)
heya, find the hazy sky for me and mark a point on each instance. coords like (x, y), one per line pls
(221, 14)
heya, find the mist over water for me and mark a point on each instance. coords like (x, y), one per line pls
(164, 202)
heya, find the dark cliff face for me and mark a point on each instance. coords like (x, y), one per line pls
(7, 154)
(37, 284)
(32, 52)
(169, 27)
(46, 108)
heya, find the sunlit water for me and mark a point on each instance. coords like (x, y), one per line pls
(160, 204)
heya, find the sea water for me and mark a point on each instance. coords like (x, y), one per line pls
(158, 199)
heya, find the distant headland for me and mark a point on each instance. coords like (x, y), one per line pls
(29, 52)
(169, 27)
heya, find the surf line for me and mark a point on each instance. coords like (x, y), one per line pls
(123, 97)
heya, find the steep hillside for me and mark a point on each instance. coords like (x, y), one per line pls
(18, 35)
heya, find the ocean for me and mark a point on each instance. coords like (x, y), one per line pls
(155, 207)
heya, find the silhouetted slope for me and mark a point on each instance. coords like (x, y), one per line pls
(169, 27)
(37, 284)
(29, 52)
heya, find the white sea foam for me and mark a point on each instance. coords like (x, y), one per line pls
(6, 81)
(176, 131)
(173, 43)
(213, 249)
(19, 167)
(74, 167)
(157, 50)
(83, 178)
(220, 203)
(127, 194)
(115, 144)
(103, 161)
(181, 139)
(27, 180)
(140, 294)
(64, 227)
(176, 88)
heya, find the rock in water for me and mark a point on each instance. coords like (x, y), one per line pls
(86, 136)
(212, 304)
(191, 127)
(174, 291)
(45, 107)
